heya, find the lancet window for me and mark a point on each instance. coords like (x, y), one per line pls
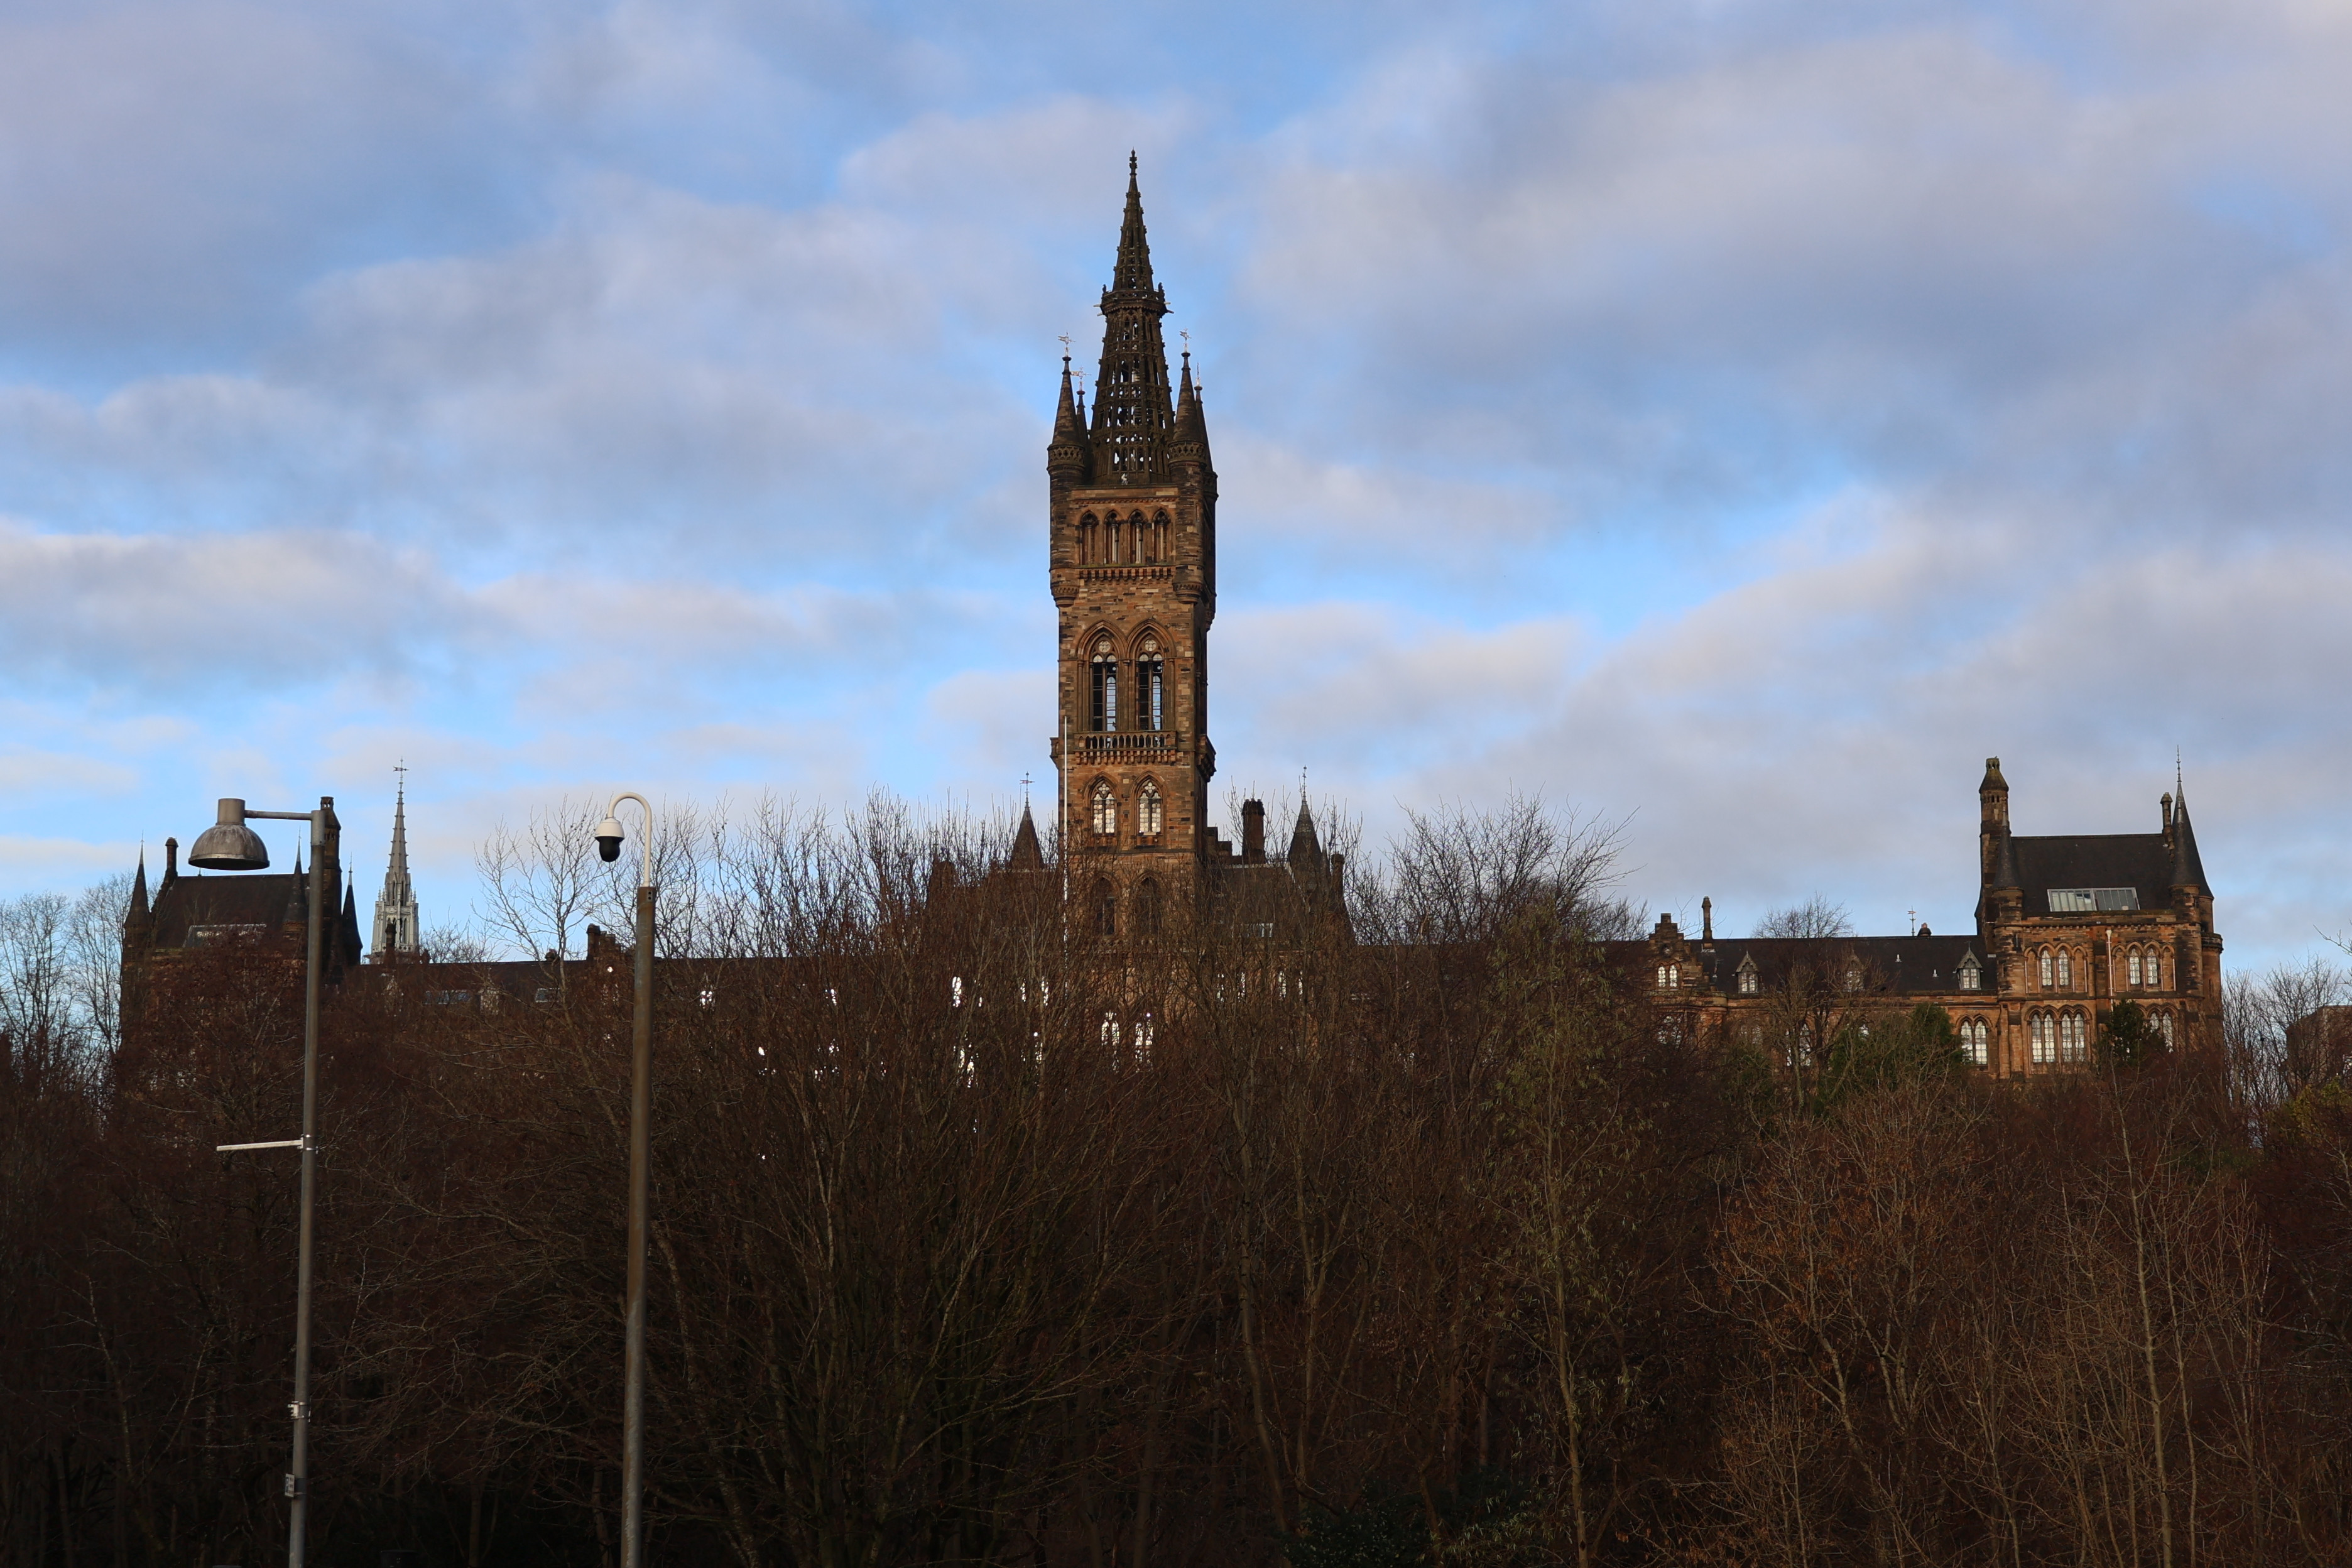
(1148, 810)
(1103, 676)
(1151, 686)
(1105, 812)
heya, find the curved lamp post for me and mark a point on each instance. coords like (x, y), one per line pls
(633, 1395)
(228, 844)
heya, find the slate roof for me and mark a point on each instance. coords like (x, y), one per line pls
(190, 901)
(2137, 860)
(1904, 964)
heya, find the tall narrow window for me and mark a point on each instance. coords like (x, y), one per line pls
(1106, 910)
(2071, 1043)
(1976, 1042)
(1159, 538)
(2153, 970)
(1089, 539)
(1151, 686)
(1148, 913)
(2045, 966)
(2164, 1027)
(2040, 1030)
(2134, 965)
(1147, 810)
(2066, 970)
(1106, 686)
(1106, 811)
(1971, 977)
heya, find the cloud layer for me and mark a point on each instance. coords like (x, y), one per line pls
(1739, 420)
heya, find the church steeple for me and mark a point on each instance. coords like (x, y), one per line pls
(1132, 563)
(396, 907)
(1132, 410)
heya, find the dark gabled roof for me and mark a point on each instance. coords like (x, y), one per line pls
(192, 901)
(1903, 965)
(2137, 860)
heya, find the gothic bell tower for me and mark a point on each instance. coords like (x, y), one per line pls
(1132, 558)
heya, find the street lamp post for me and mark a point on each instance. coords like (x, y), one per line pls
(633, 1386)
(228, 844)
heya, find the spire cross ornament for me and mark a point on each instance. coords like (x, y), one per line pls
(1024, 792)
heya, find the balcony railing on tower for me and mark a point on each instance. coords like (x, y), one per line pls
(1131, 745)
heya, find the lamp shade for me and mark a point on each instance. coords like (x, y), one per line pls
(228, 844)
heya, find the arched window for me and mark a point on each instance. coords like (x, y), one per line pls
(1151, 686)
(2132, 961)
(1976, 1041)
(1106, 910)
(2072, 1038)
(1147, 812)
(1106, 811)
(1148, 910)
(1089, 539)
(2045, 969)
(1748, 978)
(2152, 971)
(2066, 970)
(1105, 674)
(2041, 1030)
(2164, 1026)
(1159, 537)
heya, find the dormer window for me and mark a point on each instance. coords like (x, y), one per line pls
(2091, 901)
(1748, 978)
(1972, 976)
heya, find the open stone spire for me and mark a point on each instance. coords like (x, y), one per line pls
(396, 907)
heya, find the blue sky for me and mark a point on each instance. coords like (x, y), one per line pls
(1739, 419)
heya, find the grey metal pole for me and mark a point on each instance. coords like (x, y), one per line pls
(632, 1399)
(297, 1482)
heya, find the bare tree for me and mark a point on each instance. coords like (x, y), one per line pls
(1819, 917)
(1460, 874)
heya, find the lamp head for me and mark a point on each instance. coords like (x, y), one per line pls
(228, 844)
(608, 838)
